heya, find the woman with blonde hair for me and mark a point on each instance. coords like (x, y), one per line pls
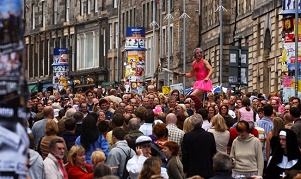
(151, 166)
(77, 167)
(272, 137)
(51, 130)
(98, 157)
(181, 115)
(220, 132)
(187, 126)
(162, 99)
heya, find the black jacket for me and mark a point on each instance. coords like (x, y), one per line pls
(198, 148)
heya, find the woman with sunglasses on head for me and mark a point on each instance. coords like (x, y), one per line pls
(202, 70)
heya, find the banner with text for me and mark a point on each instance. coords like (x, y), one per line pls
(14, 92)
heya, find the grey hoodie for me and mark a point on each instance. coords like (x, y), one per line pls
(36, 170)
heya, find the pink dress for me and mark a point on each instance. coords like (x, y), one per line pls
(200, 73)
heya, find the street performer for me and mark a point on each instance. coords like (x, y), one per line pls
(202, 70)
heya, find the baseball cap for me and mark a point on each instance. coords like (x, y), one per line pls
(143, 139)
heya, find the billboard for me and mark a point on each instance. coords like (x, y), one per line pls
(288, 70)
(14, 92)
(60, 69)
(135, 63)
(135, 38)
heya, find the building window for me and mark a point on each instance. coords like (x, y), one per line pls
(96, 5)
(148, 56)
(43, 13)
(103, 5)
(143, 13)
(164, 41)
(87, 50)
(163, 5)
(171, 38)
(48, 57)
(115, 3)
(54, 43)
(33, 15)
(96, 47)
(147, 15)
(111, 36)
(89, 6)
(55, 11)
(123, 24)
(60, 42)
(104, 42)
(31, 67)
(116, 35)
(134, 16)
(116, 69)
(66, 41)
(67, 10)
(172, 5)
(27, 58)
(81, 7)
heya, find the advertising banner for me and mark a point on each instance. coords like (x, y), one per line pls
(178, 87)
(14, 92)
(60, 69)
(135, 38)
(135, 64)
(288, 70)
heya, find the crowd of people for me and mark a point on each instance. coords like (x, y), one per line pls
(93, 134)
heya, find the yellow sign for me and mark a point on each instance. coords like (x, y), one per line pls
(166, 90)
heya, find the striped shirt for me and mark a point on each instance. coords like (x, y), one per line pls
(267, 125)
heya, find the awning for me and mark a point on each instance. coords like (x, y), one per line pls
(33, 87)
(46, 85)
(107, 84)
(84, 86)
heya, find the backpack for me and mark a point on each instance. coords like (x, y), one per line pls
(126, 174)
(157, 152)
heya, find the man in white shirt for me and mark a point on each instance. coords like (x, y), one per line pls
(143, 150)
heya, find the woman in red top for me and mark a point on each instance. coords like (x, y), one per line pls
(77, 167)
(202, 70)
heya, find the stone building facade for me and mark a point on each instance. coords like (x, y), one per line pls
(95, 39)
(80, 26)
(260, 25)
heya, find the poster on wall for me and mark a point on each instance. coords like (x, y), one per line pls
(60, 69)
(135, 38)
(135, 64)
(14, 92)
(288, 70)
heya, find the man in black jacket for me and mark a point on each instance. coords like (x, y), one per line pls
(198, 149)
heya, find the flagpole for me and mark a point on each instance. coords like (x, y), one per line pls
(168, 45)
(221, 45)
(184, 43)
(296, 47)
(154, 33)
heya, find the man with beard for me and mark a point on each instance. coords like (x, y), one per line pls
(53, 163)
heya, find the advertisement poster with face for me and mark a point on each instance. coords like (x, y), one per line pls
(60, 69)
(288, 70)
(13, 92)
(135, 64)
